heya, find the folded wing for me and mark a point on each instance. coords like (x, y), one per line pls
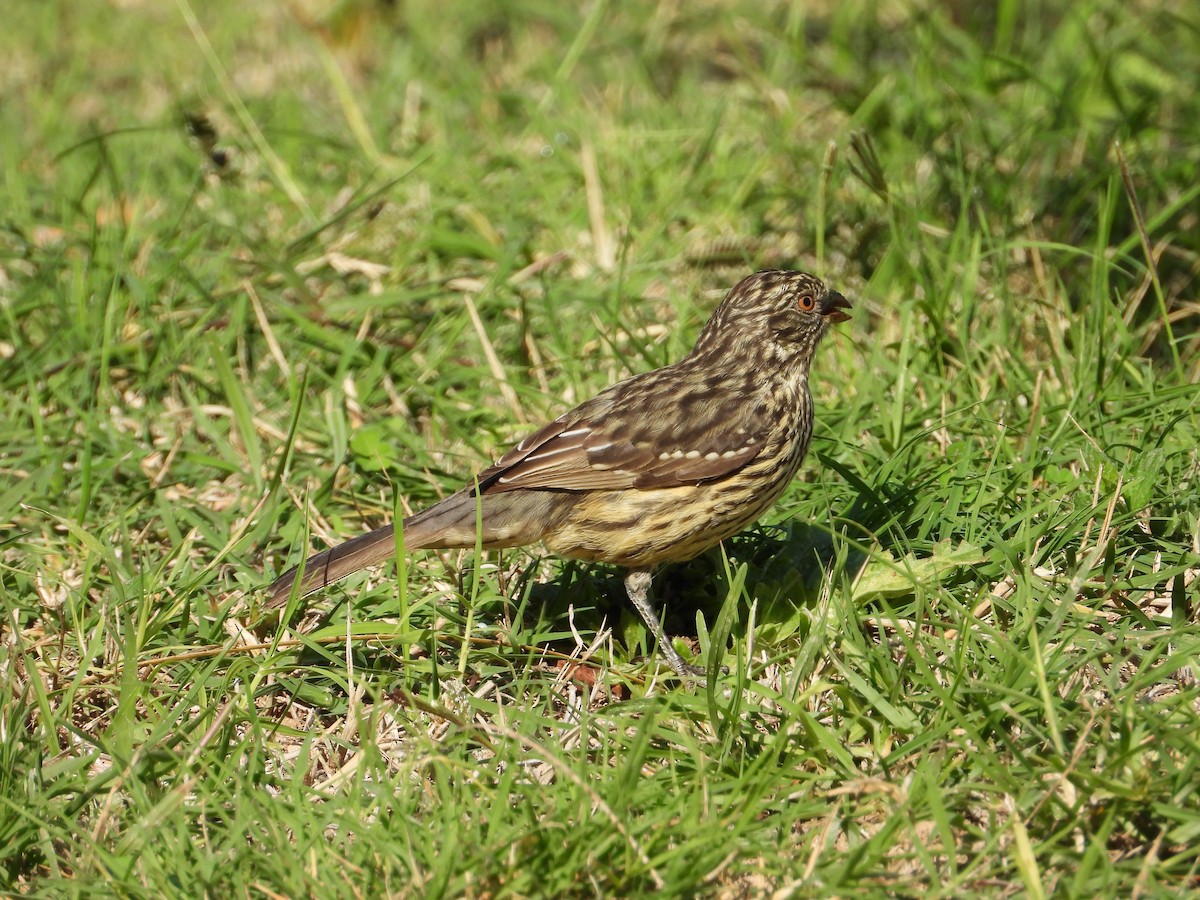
(681, 433)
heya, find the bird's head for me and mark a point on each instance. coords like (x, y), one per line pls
(773, 316)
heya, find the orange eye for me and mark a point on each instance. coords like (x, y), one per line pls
(806, 302)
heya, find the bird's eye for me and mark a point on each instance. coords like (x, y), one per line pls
(806, 302)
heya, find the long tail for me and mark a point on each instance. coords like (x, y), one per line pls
(504, 520)
(325, 568)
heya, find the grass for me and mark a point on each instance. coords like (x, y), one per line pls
(270, 276)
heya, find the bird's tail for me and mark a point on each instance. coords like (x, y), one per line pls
(508, 519)
(338, 562)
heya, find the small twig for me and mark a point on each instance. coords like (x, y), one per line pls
(1151, 263)
(489, 351)
(606, 256)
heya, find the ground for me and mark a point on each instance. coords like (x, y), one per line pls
(272, 274)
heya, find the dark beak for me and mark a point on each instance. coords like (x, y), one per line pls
(832, 306)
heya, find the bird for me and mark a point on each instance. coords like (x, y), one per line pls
(656, 469)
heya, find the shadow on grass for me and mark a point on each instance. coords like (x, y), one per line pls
(787, 569)
(788, 566)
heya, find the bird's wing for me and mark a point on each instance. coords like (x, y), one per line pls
(642, 433)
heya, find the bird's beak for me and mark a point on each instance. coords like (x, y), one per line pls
(832, 306)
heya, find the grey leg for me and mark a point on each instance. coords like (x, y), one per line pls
(637, 585)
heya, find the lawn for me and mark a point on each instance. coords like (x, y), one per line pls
(274, 273)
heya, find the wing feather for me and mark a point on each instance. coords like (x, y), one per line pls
(683, 436)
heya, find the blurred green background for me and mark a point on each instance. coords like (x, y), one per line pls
(272, 273)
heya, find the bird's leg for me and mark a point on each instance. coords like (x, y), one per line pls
(637, 585)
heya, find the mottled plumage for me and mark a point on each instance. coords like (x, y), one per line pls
(655, 469)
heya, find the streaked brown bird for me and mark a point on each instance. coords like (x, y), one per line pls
(656, 469)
